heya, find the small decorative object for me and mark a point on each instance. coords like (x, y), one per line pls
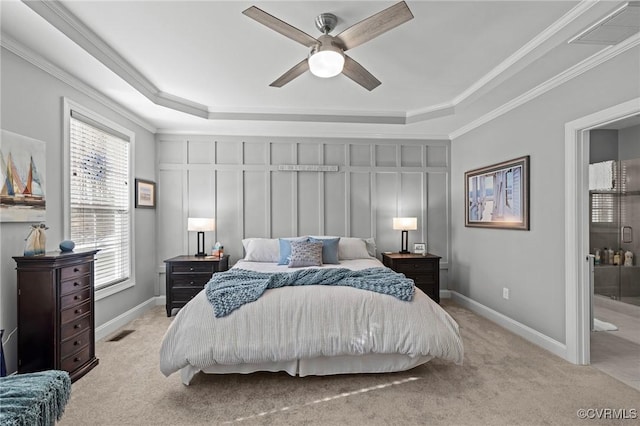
(36, 240)
(497, 196)
(145, 194)
(419, 248)
(628, 258)
(67, 246)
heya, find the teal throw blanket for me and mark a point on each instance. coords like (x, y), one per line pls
(227, 291)
(34, 398)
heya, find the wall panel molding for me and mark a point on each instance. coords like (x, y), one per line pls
(375, 181)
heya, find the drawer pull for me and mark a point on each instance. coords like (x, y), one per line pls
(78, 311)
(76, 283)
(77, 297)
(77, 326)
(77, 343)
(76, 270)
(77, 359)
(192, 282)
(191, 269)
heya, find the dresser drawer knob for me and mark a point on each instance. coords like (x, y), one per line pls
(76, 283)
(78, 311)
(192, 282)
(77, 297)
(76, 270)
(77, 359)
(191, 269)
(77, 326)
(77, 343)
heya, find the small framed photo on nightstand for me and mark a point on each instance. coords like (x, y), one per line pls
(419, 248)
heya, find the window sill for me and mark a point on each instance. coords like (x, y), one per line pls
(113, 289)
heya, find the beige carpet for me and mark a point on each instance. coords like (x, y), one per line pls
(504, 381)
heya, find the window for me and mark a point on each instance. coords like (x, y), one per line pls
(99, 183)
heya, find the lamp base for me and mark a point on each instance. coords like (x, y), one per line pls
(404, 252)
(200, 254)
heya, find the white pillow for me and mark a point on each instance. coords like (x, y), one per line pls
(352, 248)
(261, 249)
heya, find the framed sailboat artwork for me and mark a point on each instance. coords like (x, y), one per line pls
(22, 164)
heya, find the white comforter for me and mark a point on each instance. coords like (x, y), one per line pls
(304, 322)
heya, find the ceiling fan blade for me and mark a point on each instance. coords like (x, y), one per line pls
(298, 69)
(280, 26)
(359, 74)
(375, 25)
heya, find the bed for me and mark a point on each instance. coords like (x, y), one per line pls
(309, 329)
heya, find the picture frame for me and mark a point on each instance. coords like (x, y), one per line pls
(497, 196)
(419, 248)
(145, 194)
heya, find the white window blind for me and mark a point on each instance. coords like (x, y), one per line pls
(99, 196)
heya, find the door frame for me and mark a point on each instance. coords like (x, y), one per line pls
(577, 289)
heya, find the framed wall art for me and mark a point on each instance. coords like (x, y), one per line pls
(145, 194)
(497, 196)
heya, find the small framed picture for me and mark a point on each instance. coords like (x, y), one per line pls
(419, 248)
(145, 194)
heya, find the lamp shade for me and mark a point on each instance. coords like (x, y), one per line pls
(405, 223)
(326, 59)
(201, 224)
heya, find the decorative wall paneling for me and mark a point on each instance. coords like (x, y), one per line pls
(237, 181)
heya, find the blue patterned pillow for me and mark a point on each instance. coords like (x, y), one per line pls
(329, 249)
(285, 248)
(305, 253)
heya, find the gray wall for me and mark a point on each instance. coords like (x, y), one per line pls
(237, 181)
(530, 263)
(32, 106)
(629, 143)
(603, 145)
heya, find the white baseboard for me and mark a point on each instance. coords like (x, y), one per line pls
(526, 332)
(121, 320)
(445, 294)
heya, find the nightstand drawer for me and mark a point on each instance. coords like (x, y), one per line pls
(415, 266)
(73, 345)
(76, 360)
(75, 312)
(187, 268)
(193, 280)
(183, 294)
(75, 327)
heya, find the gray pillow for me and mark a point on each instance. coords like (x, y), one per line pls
(305, 253)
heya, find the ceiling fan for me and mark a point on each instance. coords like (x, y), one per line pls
(327, 57)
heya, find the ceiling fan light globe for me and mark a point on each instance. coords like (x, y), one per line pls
(326, 63)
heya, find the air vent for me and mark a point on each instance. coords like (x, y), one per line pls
(613, 28)
(121, 335)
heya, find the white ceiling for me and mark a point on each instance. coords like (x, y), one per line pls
(200, 66)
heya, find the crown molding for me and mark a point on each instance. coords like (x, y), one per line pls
(37, 60)
(578, 69)
(527, 49)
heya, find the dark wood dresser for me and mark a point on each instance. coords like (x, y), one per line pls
(56, 312)
(423, 269)
(187, 276)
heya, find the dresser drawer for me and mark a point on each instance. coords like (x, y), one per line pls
(193, 267)
(76, 326)
(74, 299)
(75, 284)
(75, 271)
(76, 360)
(74, 344)
(75, 312)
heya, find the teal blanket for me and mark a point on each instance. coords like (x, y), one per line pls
(227, 291)
(34, 398)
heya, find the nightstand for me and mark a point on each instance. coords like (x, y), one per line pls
(187, 276)
(423, 269)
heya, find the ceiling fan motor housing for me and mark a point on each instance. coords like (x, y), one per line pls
(326, 22)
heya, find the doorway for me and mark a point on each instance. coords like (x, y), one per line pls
(614, 223)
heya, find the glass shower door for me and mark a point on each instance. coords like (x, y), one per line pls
(629, 291)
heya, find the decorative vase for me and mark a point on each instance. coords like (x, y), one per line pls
(67, 246)
(36, 240)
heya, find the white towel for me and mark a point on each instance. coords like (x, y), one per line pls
(601, 176)
(603, 326)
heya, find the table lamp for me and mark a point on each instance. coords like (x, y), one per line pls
(405, 224)
(201, 225)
